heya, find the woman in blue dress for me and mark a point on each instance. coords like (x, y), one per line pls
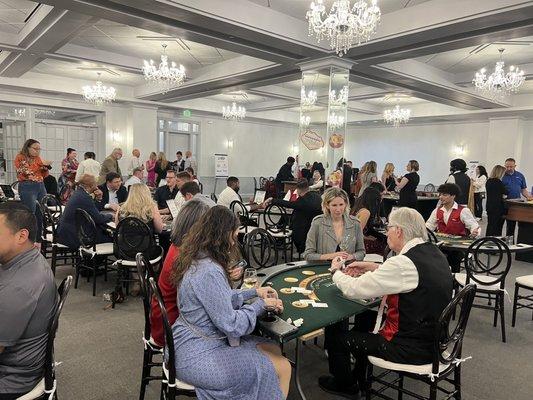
(214, 349)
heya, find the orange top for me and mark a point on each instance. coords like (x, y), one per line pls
(30, 168)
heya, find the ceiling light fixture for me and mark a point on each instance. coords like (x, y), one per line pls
(499, 83)
(308, 99)
(235, 113)
(396, 116)
(335, 121)
(166, 75)
(305, 121)
(344, 26)
(338, 101)
(99, 94)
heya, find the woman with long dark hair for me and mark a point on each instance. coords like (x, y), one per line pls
(479, 190)
(367, 211)
(69, 166)
(214, 349)
(31, 171)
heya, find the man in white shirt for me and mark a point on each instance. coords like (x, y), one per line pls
(89, 166)
(136, 177)
(190, 162)
(452, 219)
(135, 162)
(416, 286)
(231, 194)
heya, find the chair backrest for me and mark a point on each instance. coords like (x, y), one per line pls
(432, 238)
(170, 360)
(201, 186)
(260, 247)
(15, 185)
(276, 218)
(214, 197)
(495, 268)
(448, 343)
(49, 363)
(430, 188)
(53, 204)
(86, 228)
(145, 270)
(131, 237)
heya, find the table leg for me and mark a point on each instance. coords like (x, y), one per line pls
(297, 357)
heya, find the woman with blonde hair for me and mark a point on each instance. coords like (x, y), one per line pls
(387, 178)
(150, 169)
(407, 185)
(141, 205)
(335, 233)
(161, 167)
(495, 206)
(368, 175)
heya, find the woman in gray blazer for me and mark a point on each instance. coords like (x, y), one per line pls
(335, 233)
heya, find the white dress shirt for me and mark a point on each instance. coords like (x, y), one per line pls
(88, 167)
(227, 196)
(466, 216)
(113, 199)
(131, 181)
(134, 163)
(396, 275)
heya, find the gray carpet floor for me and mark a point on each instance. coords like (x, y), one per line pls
(100, 351)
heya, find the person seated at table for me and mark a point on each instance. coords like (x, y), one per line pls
(181, 179)
(306, 207)
(67, 233)
(215, 351)
(166, 192)
(452, 219)
(113, 192)
(318, 183)
(136, 177)
(335, 233)
(28, 300)
(414, 302)
(141, 205)
(191, 191)
(190, 171)
(367, 211)
(231, 194)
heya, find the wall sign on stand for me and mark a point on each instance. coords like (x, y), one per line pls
(221, 168)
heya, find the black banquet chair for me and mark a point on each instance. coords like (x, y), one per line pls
(277, 221)
(524, 282)
(46, 389)
(444, 372)
(151, 349)
(260, 249)
(488, 275)
(170, 386)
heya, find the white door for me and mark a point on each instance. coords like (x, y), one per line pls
(177, 142)
(14, 136)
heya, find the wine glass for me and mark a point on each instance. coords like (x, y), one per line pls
(250, 278)
(345, 243)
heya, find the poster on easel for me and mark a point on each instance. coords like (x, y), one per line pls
(221, 166)
(472, 165)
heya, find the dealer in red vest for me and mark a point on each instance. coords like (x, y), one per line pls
(452, 219)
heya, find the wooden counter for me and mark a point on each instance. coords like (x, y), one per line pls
(289, 185)
(522, 212)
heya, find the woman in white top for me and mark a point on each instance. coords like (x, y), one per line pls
(479, 190)
(318, 183)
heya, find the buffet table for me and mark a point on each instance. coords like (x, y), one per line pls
(522, 212)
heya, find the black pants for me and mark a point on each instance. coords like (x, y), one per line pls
(478, 205)
(340, 342)
(510, 228)
(454, 259)
(494, 224)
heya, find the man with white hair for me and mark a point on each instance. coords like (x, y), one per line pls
(135, 162)
(416, 286)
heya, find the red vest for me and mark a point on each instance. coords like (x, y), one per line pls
(454, 226)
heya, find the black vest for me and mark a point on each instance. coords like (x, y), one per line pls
(463, 181)
(420, 309)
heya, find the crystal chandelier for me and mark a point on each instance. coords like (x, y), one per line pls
(335, 121)
(397, 116)
(338, 101)
(499, 83)
(234, 113)
(343, 26)
(308, 99)
(305, 121)
(164, 74)
(19, 113)
(99, 94)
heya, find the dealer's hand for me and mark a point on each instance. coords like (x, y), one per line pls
(358, 268)
(474, 232)
(267, 292)
(273, 304)
(337, 264)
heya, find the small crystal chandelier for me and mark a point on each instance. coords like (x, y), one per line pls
(234, 113)
(344, 26)
(305, 121)
(499, 83)
(308, 99)
(166, 75)
(335, 121)
(19, 113)
(338, 101)
(397, 116)
(99, 94)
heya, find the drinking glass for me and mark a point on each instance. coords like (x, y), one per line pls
(250, 278)
(345, 242)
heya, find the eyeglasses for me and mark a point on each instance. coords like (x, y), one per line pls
(35, 148)
(388, 227)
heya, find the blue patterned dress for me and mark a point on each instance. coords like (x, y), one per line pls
(214, 312)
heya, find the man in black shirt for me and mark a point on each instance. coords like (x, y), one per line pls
(306, 207)
(179, 163)
(284, 174)
(167, 192)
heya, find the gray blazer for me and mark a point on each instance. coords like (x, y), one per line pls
(321, 238)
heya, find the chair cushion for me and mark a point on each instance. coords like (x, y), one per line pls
(102, 249)
(133, 263)
(36, 392)
(280, 234)
(425, 369)
(526, 280)
(461, 280)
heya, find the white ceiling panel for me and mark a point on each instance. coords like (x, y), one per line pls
(13, 14)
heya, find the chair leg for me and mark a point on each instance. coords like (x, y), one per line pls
(54, 259)
(502, 315)
(515, 304)
(457, 382)
(94, 268)
(77, 268)
(400, 386)
(145, 371)
(496, 309)
(369, 376)
(433, 391)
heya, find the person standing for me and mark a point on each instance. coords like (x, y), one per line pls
(516, 186)
(69, 167)
(479, 190)
(190, 162)
(31, 171)
(284, 174)
(460, 178)
(135, 162)
(407, 185)
(162, 166)
(368, 175)
(110, 164)
(28, 300)
(89, 166)
(179, 164)
(150, 169)
(496, 193)
(387, 178)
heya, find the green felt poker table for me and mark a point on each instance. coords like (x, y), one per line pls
(462, 243)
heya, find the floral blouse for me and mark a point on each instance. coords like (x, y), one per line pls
(69, 168)
(30, 168)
